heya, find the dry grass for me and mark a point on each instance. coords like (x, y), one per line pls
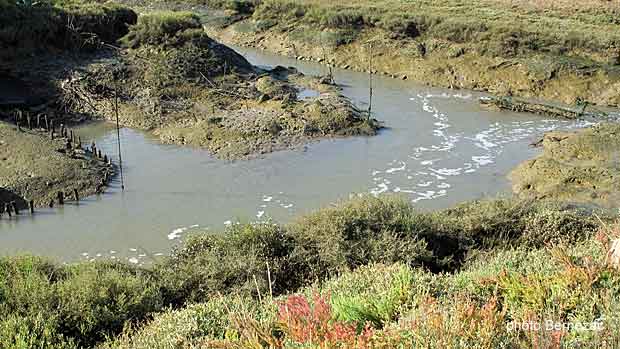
(561, 4)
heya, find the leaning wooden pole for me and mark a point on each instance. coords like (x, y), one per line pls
(370, 82)
(118, 133)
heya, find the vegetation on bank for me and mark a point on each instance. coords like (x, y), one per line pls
(523, 48)
(485, 259)
(30, 27)
(189, 89)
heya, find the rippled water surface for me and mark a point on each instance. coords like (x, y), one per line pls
(440, 148)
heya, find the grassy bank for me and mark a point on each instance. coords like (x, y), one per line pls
(37, 27)
(432, 264)
(529, 49)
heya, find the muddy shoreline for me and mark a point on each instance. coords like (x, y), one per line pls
(37, 168)
(503, 77)
(581, 166)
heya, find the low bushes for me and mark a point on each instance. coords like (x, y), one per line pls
(237, 272)
(45, 305)
(385, 306)
(359, 232)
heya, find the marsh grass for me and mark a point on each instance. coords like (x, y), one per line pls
(506, 28)
(63, 25)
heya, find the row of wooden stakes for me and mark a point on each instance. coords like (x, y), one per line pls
(42, 121)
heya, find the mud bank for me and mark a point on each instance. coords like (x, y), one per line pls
(504, 51)
(188, 89)
(582, 166)
(34, 167)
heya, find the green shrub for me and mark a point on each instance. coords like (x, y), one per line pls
(236, 260)
(158, 27)
(45, 305)
(356, 233)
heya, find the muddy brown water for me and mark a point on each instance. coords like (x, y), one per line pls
(441, 148)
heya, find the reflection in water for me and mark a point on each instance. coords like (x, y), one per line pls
(440, 149)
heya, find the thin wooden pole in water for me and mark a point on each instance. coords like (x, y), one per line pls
(118, 132)
(370, 82)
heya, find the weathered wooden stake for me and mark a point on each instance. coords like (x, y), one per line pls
(15, 208)
(38, 120)
(7, 209)
(76, 195)
(61, 198)
(370, 82)
(105, 158)
(31, 204)
(47, 123)
(29, 121)
(51, 203)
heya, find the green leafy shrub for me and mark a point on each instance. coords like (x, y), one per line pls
(237, 260)
(158, 27)
(45, 305)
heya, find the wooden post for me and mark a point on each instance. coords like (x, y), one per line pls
(61, 198)
(105, 158)
(79, 142)
(7, 209)
(47, 123)
(76, 195)
(39, 120)
(31, 204)
(99, 154)
(15, 208)
(51, 203)
(29, 121)
(370, 82)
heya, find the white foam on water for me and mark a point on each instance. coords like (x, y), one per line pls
(133, 249)
(482, 160)
(435, 162)
(260, 214)
(402, 167)
(133, 260)
(176, 233)
(381, 188)
(267, 198)
(228, 223)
